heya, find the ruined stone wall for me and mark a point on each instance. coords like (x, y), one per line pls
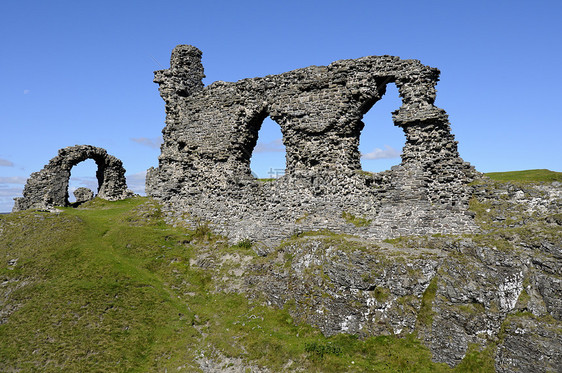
(49, 187)
(211, 132)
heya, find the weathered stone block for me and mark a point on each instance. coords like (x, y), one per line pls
(83, 195)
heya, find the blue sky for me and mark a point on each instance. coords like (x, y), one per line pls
(81, 73)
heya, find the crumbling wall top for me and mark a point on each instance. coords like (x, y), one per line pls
(211, 132)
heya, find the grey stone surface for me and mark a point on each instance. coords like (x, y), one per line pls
(83, 194)
(497, 289)
(49, 187)
(211, 132)
(530, 346)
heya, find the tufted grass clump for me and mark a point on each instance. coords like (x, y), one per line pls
(246, 243)
(202, 231)
(381, 294)
(357, 221)
(319, 349)
(478, 360)
(425, 315)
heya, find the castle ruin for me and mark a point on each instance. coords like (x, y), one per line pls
(49, 187)
(211, 132)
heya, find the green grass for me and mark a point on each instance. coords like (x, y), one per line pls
(541, 175)
(478, 361)
(111, 287)
(357, 221)
(425, 315)
(246, 243)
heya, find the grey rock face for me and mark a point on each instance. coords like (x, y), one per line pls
(211, 132)
(530, 346)
(350, 287)
(83, 194)
(498, 289)
(49, 187)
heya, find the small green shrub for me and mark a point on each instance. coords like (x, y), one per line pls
(202, 231)
(381, 294)
(246, 243)
(318, 349)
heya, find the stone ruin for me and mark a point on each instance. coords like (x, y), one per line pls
(504, 300)
(211, 131)
(49, 187)
(204, 168)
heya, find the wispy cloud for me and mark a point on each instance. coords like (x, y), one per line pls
(26, 91)
(7, 195)
(12, 180)
(10, 192)
(10, 187)
(154, 142)
(377, 153)
(89, 182)
(135, 182)
(6, 163)
(275, 146)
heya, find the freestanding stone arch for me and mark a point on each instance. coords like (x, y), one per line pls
(49, 187)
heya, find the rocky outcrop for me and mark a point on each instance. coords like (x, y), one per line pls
(83, 194)
(498, 290)
(49, 187)
(211, 132)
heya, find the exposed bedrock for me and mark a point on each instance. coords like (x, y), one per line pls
(49, 187)
(211, 132)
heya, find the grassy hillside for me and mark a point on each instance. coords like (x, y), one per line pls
(111, 287)
(526, 176)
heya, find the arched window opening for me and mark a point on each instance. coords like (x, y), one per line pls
(268, 158)
(83, 175)
(381, 142)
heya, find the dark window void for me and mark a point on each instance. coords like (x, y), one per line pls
(381, 142)
(268, 158)
(83, 175)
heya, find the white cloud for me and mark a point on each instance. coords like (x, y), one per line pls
(150, 142)
(6, 163)
(26, 91)
(82, 181)
(7, 197)
(275, 146)
(12, 180)
(135, 182)
(10, 192)
(377, 153)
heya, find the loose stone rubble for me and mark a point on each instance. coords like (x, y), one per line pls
(49, 187)
(211, 132)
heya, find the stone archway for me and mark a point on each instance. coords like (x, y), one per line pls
(49, 187)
